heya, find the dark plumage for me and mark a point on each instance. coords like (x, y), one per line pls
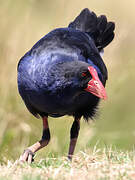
(54, 75)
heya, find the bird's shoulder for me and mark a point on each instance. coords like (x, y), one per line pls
(64, 40)
(58, 45)
(62, 44)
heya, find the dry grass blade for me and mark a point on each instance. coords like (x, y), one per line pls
(85, 166)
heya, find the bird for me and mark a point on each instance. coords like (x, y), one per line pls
(64, 74)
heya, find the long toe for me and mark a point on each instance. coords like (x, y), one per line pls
(27, 156)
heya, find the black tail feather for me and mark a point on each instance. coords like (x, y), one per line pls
(101, 25)
(101, 31)
(86, 21)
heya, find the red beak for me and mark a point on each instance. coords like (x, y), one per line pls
(95, 86)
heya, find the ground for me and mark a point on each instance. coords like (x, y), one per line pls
(104, 164)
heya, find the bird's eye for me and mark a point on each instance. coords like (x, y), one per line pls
(83, 74)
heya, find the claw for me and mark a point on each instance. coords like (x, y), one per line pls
(28, 156)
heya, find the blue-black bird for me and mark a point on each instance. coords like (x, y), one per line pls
(64, 74)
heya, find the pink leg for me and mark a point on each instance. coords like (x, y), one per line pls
(29, 152)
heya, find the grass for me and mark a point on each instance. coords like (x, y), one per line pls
(105, 164)
(22, 24)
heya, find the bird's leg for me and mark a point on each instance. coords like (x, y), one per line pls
(73, 137)
(29, 152)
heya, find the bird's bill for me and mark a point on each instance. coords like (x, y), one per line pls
(95, 86)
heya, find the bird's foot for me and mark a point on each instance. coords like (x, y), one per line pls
(70, 157)
(27, 156)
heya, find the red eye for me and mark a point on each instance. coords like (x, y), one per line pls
(83, 74)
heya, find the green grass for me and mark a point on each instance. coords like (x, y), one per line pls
(106, 164)
(25, 22)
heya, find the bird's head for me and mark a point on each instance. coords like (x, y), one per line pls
(88, 78)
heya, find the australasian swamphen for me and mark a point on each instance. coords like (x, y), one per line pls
(64, 74)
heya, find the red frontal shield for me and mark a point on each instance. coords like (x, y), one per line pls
(95, 86)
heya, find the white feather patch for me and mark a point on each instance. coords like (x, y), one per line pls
(102, 52)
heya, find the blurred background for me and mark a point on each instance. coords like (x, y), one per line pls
(22, 24)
